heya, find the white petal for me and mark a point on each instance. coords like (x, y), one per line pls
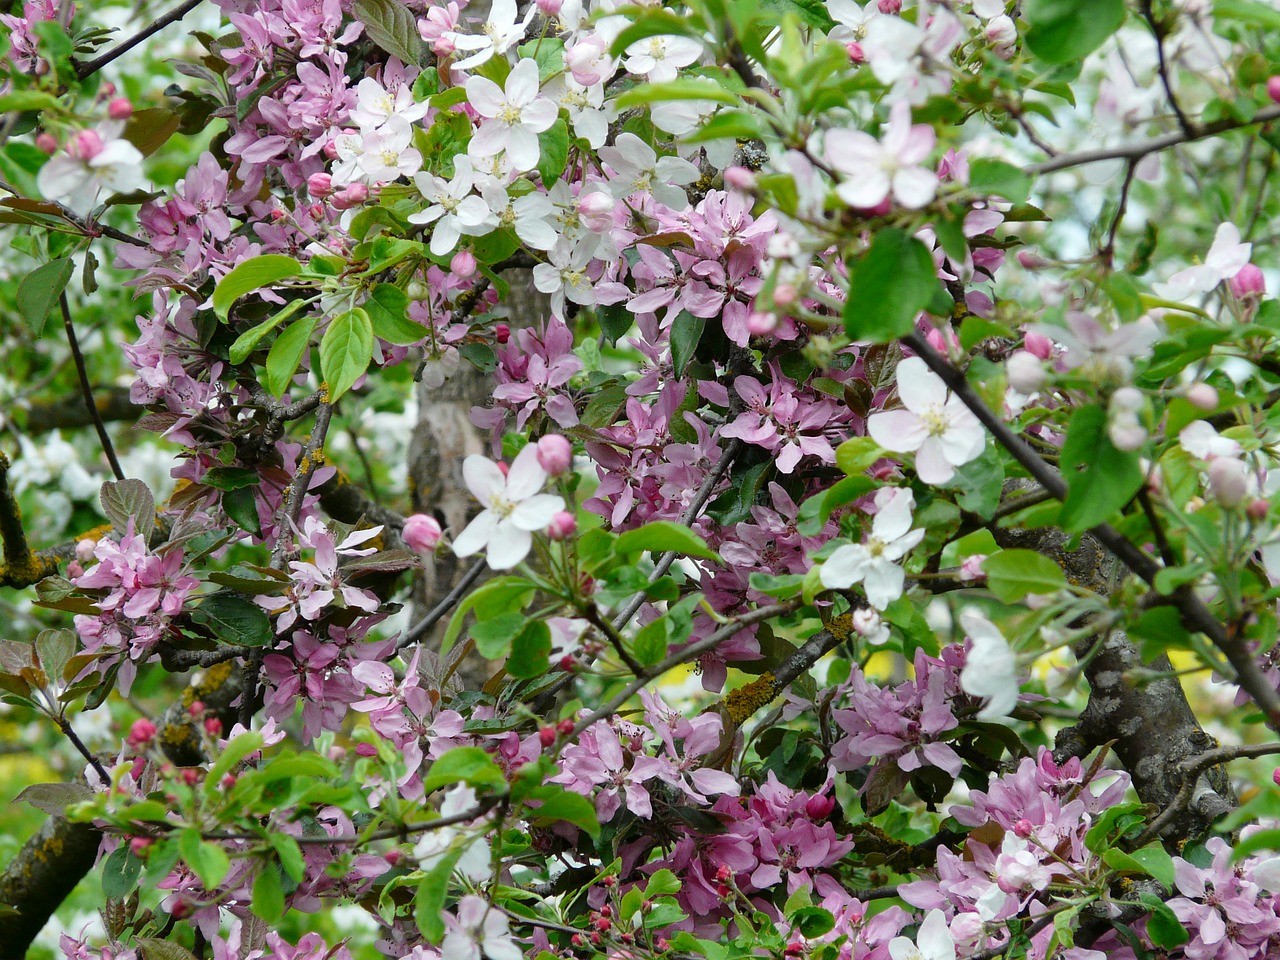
(918, 386)
(508, 545)
(526, 476)
(476, 536)
(483, 477)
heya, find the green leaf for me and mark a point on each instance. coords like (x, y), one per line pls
(286, 353)
(234, 619)
(429, 898)
(1253, 12)
(1163, 928)
(727, 125)
(1100, 479)
(559, 804)
(1153, 859)
(813, 921)
(891, 284)
(345, 351)
(120, 873)
(615, 320)
(39, 290)
(480, 356)
(663, 536)
(1012, 574)
(392, 26)
(247, 341)
(655, 23)
(241, 507)
(650, 643)
(388, 308)
(493, 637)
(530, 650)
(129, 502)
(857, 454)
(988, 176)
(1064, 31)
(663, 883)
(55, 648)
(686, 332)
(553, 152)
(235, 751)
(469, 765)
(690, 89)
(290, 854)
(207, 860)
(267, 901)
(250, 275)
(498, 596)
(23, 100)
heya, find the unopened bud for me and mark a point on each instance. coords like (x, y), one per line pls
(564, 727)
(1038, 345)
(1023, 828)
(1025, 372)
(547, 736)
(463, 264)
(785, 294)
(47, 143)
(120, 109)
(889, 6)
(1202, 396)
(196, 708)
(1249, 282)
(550, 8)
(87, 144)
(596, 210)
(320, 185)
(421, 533)
(761, 324)
(417, 290)
(393, 856)
(555, 454)
(501, 332)
(141, 732)
(1228, 481)
(1258, 509)
(740, 178)
(212, 726)
(819, 806)
(366, 750)
(190, 776)
(138, 846)
(1273, 88)
(562, 526)
(443, 47)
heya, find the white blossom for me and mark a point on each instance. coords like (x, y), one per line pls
(95, 161)
(936, 426)
(874, 563)
(432, 847)
(990, 668)
(515, 115)
(480, 928)
(513, 508)
(660, 58)
(638, 169)
(499, 33)
(875, 169)
(1226, 257)
(933, 941)
(454, 209)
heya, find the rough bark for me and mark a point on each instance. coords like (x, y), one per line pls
(40, 877)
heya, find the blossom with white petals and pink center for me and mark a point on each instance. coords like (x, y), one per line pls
(875, 563)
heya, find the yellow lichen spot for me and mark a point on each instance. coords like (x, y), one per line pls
(740, 704)
(841, 627)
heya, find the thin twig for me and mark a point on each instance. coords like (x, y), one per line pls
(1190, 769)
(1135, 151)
(90, 67)
(687, 516)
(444, 606)
(65, 726)
(1158, 31)
(86, 388)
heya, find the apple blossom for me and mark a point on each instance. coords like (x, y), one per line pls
(513, 508)
(875, 170)
(515, 114)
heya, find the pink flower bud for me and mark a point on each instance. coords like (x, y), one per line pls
(421, 533)
(120, 109)
(1275, 776)
(1228, 481)
(889, 6)
(588, 59)
(761, 324)
(74, 569)
(393, 856)
(971, 568)
(1023, 828)
(330, 150)
(1249, 282)
(320, 185)
(562, 526)
(547, 736)
(1001, 32)
(1273, 88)
(86, 144)
(740, 178)
(47, 143)
(550, 8)
(879, 210)
(228, 781)
(1030, 261)
(190, 776)
(1258, 510)
(212, 726)
(141, 732)
(351, 196)
(1025, 372)
(108, 89)
(463, 265)
(819, 806)
(196, 708)
(785, 294)
(366, 750)
(596, 210)
(857, 55)
(138, 846)
(501, 332)
(1038, 345)
(555, 454)
(444, 47)
(1202, 396)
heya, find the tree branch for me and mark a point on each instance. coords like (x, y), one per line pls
(1135, 151)
(86, 388)
(90, 67)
